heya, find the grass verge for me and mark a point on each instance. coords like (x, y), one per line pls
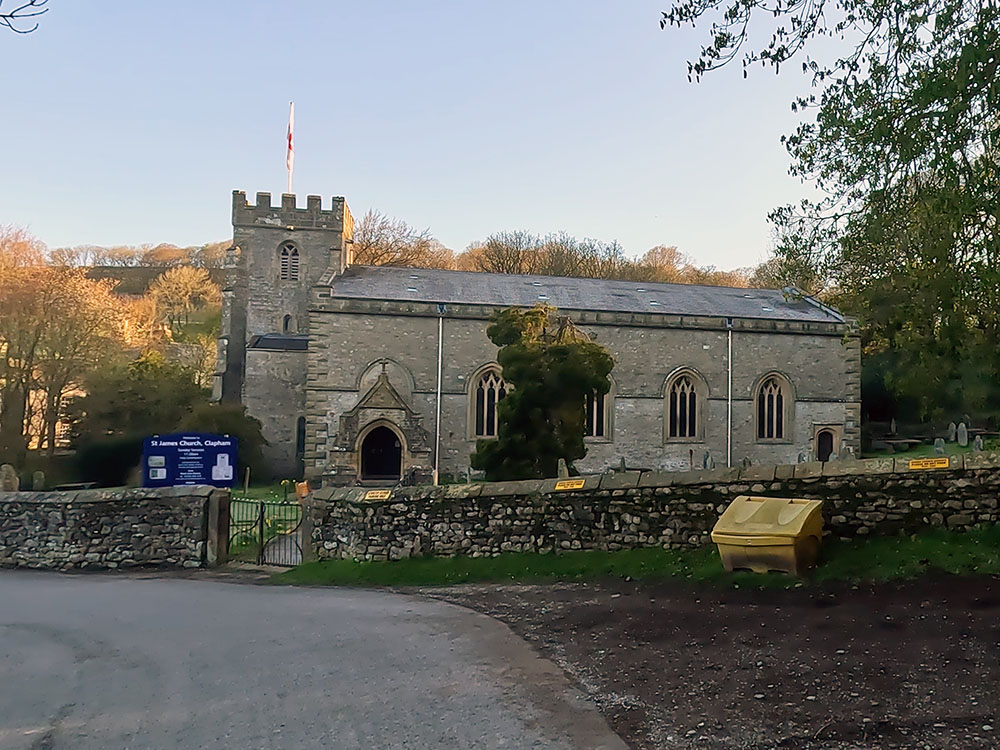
(878, 559)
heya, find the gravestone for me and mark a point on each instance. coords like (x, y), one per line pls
(563, 469)
(833, 457)
(803, 457)
(939, 446)
(746, 461)
(707, 461)
(8, 479)
(963, 435)
(977, 444)
(952, 432)
(38, 481)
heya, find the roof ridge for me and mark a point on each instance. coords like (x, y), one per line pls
(596, 279)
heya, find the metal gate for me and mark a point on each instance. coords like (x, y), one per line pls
(265, 532)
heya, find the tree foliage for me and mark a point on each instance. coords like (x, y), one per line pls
(55, 325)
(900, 136)
(551, 368)
(181, 290)
(126, 402)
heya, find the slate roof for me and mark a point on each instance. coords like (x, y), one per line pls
(280, 342)
(470, 288)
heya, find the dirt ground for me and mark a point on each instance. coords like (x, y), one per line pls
(915, 665)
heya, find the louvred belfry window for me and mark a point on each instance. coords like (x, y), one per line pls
(288, 257)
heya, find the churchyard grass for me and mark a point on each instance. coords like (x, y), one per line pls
(921, 451)
(876, 559)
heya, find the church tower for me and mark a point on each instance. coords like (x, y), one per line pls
(279, 253)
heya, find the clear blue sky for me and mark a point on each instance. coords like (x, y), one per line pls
(127, 122)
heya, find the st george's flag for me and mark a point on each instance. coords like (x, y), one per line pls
(290, 155)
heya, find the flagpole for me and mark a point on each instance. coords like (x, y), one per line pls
(290, 153)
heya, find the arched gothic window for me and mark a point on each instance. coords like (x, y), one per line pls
(684, 416)
(488, 391)
(289, 262)
(774, 403)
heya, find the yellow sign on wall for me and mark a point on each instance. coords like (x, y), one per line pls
(570, 484)
(942, 462)
(378, 494)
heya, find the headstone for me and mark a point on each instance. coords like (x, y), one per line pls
(939, 446)
(708, 462)
(977, 444)
(8, 479)
(38, 481)
(833, 456)
(746, 461)
(963, 435)
(952, 432)
(803, 457)
(892, 426)
(563, 469)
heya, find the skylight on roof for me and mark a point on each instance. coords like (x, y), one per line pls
(654, 302)
(640, 289)
(543, 296)
(536, 283)
(411, 289)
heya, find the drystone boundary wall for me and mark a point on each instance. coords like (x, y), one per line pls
(648, 509)
(174, 527)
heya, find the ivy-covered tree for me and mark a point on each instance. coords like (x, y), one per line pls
(901, 136)
(551, 368)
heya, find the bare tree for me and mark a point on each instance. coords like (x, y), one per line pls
(506, 252)
(381, 240)
(20, 14)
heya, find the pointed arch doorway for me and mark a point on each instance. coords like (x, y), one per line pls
(824, 445)
(381, 455)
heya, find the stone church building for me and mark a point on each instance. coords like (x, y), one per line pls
(378, 374)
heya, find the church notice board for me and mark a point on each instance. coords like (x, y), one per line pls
(189, 458)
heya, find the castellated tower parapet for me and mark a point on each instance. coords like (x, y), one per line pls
(289, 216)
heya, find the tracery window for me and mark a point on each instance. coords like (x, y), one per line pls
(487, 392)
(683, 412)
(288, 257)
(773, 404)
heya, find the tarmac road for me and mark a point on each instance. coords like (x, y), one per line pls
(104, 662)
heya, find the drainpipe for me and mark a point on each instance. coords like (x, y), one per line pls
(437, 416)
(729, 398)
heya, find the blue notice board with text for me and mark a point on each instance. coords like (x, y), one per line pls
(189, 458)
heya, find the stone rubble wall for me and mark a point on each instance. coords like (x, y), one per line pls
(97, 529)
(881, 496)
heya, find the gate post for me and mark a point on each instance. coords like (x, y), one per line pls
(260, 533)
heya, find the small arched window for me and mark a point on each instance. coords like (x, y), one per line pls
(774, 404)
(288, 324)
(300, 436)
(487, 392)
(593, 425)
(288, 257)
(684, 417)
